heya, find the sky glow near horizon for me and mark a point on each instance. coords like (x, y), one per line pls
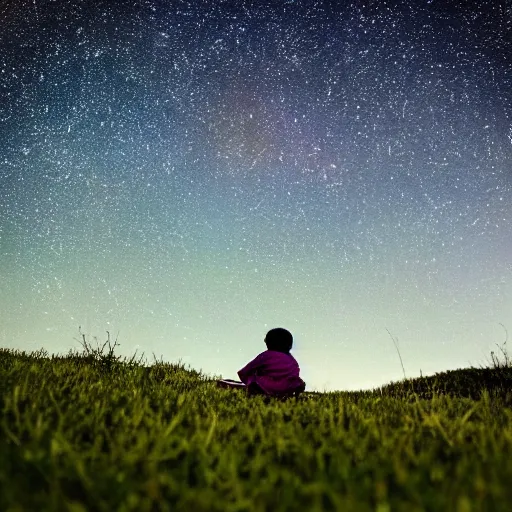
(189, 175)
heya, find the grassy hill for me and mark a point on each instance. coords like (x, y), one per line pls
(94, 432)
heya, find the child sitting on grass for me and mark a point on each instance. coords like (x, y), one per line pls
(274, 372)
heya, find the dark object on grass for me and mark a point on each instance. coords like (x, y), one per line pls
(232, 384)
(253, 389)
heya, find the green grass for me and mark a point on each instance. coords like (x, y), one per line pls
(94, 432)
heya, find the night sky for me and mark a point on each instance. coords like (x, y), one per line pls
(190, 174)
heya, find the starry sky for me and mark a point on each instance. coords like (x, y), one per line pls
(189, 174)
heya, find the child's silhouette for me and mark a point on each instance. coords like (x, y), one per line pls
(274, 372)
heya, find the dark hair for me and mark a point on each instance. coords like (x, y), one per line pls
(279, 339)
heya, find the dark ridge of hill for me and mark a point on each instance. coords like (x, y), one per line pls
(97, 367)
(463, 383)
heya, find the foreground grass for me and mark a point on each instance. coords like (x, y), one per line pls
(83, 433)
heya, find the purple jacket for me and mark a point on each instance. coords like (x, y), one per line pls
(275, 372)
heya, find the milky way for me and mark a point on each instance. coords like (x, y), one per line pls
(188, 175)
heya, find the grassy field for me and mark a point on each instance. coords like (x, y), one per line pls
(92, 432)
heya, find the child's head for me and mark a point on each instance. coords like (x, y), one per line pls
(279, 339)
